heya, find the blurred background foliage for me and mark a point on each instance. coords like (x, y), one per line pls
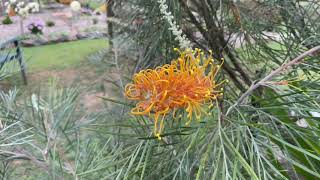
(273, 134)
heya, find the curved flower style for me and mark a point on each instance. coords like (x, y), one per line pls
(187, 83)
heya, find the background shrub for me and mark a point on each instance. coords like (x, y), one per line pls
(50, 23)
(7, 20)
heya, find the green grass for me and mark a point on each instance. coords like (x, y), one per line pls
(95, 4)
(62, 55)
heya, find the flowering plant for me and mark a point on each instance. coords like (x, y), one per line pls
(174, 27)
(187, 83)
(36, 27)
(21, 8)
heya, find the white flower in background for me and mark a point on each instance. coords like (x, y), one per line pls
(75, 6)
(22, 11)
(176, 31)
(22, 8)
(20, 4)
(33, 7)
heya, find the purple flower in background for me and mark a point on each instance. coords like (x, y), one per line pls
(36, 27)
(39, 23)
(30, 26)
(40, 27)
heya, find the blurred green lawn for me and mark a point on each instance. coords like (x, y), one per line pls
(95, 4)
(61, 55)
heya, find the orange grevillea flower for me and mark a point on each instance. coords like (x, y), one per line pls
(187, 83)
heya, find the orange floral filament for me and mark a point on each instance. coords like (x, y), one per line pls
(187, 83)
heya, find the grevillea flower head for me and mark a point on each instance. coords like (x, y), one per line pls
(187, 83)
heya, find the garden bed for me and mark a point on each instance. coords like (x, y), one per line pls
(65, 25)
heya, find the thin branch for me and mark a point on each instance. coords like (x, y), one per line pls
(285, 66)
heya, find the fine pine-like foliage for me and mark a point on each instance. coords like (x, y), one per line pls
(265, 125)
